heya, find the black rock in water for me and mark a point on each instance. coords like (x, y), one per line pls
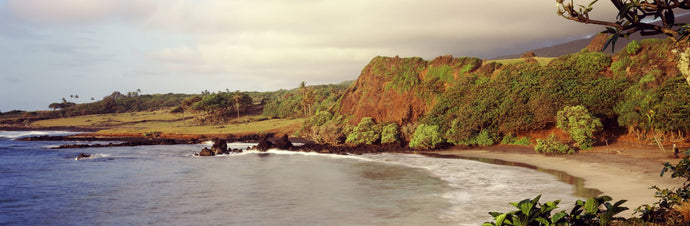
(82, 156)
(264, 144)
(206, 152)
(219, 147)
(283, 143)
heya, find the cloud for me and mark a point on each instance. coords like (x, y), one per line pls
(307, 39)
(77, 12)
(265, 44)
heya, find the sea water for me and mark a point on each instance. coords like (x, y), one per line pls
(167, 185)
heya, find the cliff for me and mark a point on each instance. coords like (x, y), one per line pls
(470, 101)
(401, 90)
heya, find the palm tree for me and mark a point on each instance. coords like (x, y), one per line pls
(237, 98)
(304, 92)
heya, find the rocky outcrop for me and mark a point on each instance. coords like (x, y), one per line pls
(264, 144)
(378, 94)
(283, 143)
(394, 89)
(82, 156)
(219, 147)
(205, 152)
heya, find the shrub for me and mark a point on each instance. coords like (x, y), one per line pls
(580, 125)
(620, 66)
(320, 118)
(633, 47)
(595, 211)
(390, 134)
(552, 146)
(484, 139)
(511, 139)
(426, 137)
(364, 133)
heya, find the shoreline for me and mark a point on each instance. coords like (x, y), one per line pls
(615, 175)
(621, 170)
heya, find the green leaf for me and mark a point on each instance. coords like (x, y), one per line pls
(592, 206)
(558, 217)
(501, 218)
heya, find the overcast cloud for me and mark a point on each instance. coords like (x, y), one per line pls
(55, 48)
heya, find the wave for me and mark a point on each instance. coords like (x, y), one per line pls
(93, 156)
(483, 186)
(24, 134)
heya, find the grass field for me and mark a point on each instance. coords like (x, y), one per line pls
(183, 127)
(543, 61)
(169, 123)
(105, 120)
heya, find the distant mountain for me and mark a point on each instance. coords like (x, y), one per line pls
(577, 45)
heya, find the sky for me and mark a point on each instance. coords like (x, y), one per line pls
(51, 49)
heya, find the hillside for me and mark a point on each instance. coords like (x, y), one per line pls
(468, 101)
(578, 44)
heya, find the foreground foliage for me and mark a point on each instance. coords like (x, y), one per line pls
(600, 211)
(594, 211)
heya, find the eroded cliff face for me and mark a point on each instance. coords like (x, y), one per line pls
(376, 94)
(401, 90)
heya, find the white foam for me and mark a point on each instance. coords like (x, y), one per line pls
(94, 156)
(482, 187)
(23, 134)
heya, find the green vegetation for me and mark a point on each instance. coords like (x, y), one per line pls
(474, 102)
(216, 108)
(543, 61)
(426, 137)
(304, 101)
(511, 139)
(390, 134)
(580, 125)
(523, 97)
(402, 73)
(595, 211)
(551, 145)
(633, 47)
(366, 132)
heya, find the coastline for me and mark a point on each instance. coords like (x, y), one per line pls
(621, 170)
(608, 169)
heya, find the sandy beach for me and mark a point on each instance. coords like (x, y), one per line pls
(622, 171)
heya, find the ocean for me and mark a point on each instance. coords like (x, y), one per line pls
(167, 185)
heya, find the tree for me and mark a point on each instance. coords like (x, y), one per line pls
(631, 18)
(580, 125)
(426, 137)
(237, 97)
(55, 106)
(307, 98)
(366, 132)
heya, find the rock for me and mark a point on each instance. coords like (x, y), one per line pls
(206, 152)
(235, 150)
(219, 147)
(82, 156)
(264, 144)
(283, 143)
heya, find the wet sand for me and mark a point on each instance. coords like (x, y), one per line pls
(622, 171)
